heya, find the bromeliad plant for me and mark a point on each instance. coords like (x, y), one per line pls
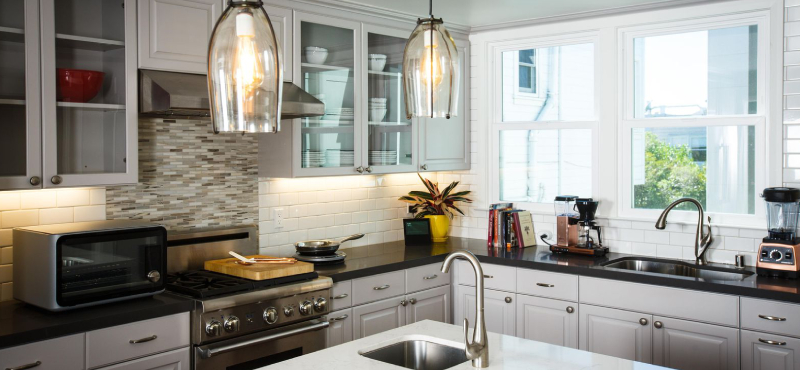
(435, 202)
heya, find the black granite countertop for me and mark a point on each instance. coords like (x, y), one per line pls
(21, 323)
(387, 257)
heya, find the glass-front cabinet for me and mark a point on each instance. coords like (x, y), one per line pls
(20, 143)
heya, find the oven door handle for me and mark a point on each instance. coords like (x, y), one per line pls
(211, 350)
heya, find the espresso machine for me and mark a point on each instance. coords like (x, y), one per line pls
(777, 254)
(575, 224)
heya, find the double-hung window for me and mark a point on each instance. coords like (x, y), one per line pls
(693, 116)
(544, 121)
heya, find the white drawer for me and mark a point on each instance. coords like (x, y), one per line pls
(65, 353)
(547, 284)
(342, 295)
(375, 288)
(426, 277)
(115, 344)
(178, 359)
(494, 276)
(771, 316)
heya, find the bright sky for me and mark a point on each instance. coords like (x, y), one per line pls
(676, 69)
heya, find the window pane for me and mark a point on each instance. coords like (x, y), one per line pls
(524, 77)
(700, 73)
(714, 165)
(526, 56)
(537, 165)
(563, 91)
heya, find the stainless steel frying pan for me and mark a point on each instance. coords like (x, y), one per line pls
(322, 247)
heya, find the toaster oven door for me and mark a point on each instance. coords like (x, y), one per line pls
(102, 266)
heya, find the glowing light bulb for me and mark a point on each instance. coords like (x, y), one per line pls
(431, 68)
(248, 71)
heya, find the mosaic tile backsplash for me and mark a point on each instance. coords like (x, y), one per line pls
(189, 177)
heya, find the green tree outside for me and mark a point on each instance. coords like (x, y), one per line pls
(670, 174)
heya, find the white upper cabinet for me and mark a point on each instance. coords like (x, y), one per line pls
(174, 34)
(281, 19)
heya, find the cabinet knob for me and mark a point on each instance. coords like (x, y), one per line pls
(36, 181)
(412, 301)
(368, 169)
(403, 303)
(658, 324)
(643, 321)
(55, 180)
(360, 169)
(570, 309)
(508, 299)
(424, 167)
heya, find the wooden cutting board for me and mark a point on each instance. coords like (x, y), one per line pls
(258, 271)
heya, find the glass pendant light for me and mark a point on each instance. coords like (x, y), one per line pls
(431, 70)
(244, 70)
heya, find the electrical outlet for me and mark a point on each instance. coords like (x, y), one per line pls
(277, 218)
(408, 208)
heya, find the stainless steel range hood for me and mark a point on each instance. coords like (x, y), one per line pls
(172, 94)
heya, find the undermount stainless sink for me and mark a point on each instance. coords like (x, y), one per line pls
(677, 268)
(419, 355)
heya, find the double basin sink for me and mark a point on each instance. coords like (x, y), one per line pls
(677, 268)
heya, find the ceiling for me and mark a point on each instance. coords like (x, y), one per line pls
(477, 13)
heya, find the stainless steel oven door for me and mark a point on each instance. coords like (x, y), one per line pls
(260, 349)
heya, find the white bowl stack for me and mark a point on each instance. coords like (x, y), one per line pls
(377, 109)
(383, 157)
(339, 158)
(377, 62)
(312, 158)
(316, 55)
(340, 114)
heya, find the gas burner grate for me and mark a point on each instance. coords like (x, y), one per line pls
(203, 284)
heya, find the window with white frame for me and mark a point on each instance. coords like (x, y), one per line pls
(694, 119)
(544, 144)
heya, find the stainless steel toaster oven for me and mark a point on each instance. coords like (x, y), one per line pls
(66, 266)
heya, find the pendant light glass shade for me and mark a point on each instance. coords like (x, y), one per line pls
(245, 77)
(431, 71)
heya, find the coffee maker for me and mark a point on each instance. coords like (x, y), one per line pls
(574, 227)
(777, 254)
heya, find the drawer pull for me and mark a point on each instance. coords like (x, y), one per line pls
(772, 318)
(143, 340)
(23, 367)
(431, 277)
(340, 318)
(382, 287)
(772, 342)
(340, 296)
(545, 285)
(488, 277)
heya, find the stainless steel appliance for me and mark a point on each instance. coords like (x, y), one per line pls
(66, 266)
(566, 221)
(239, 323)
(777, 254)
(575, 222)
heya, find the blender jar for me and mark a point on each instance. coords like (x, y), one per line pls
(782, 206)
(564, 205)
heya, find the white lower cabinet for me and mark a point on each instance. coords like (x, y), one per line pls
(378, 317)
(432, 304)
(499, 309)
(761, 351)
(341, 328)
(172, 360)
(617, 333)
(688, 345)
(547, 320)
(65, 353)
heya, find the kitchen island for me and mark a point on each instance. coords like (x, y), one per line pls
(505, 352)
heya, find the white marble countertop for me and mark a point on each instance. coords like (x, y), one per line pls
(505, 352)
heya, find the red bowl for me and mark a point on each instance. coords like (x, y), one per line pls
(77, 85)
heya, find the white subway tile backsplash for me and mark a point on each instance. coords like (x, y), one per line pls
(681, 239)
(669, 251)
(288, 199)
(6, 273)
(367, 227)
(9, 201)
(38, 199)
(343, 219)
(6, 255)
(740, 244)
(644, 249)
(656, 237)
(56, 215)
(752, 233)
(631, 235)
(73, 197)
(6, 236)
(21, 218)
(6, 291)
(90, 213)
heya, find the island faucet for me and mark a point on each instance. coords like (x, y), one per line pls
(478, 350)
(701, 242)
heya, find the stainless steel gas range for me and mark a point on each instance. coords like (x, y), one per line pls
(243, 324)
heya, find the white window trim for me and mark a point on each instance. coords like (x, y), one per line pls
(496, 123)
(627, 121)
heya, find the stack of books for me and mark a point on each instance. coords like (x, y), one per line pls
(509, 227)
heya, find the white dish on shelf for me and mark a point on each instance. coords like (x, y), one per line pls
(377, 62)
(316, 55)
(377, 114)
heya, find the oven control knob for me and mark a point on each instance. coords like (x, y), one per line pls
(288, 310)
(776, 255)
(306, 307)
(271, 315)
(213, 328)
(320, 304)
(232, 324)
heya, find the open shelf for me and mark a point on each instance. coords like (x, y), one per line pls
(87, 43)
(323, 67)
(390, 74)
(12, 102)
(12, 34)
(93, 106)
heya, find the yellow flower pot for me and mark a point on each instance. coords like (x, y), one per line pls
(440, 226)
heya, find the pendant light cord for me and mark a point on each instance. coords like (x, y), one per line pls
(430, 8)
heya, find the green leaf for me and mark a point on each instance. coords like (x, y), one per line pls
(421, 194)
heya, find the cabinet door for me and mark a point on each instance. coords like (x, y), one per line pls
(688, 345)
(174, 34)
(65, 353)
(378, 317)
(172, 360)
(444, 144)
(547, 320)
(327, 64)
(617, 333)
(20, 95)
(89, 135)
(761, 351)
(281, 19)
(341, 329)
(432, 304)
(390, 139)
(499, 309)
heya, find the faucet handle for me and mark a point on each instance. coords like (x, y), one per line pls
(470, 356)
